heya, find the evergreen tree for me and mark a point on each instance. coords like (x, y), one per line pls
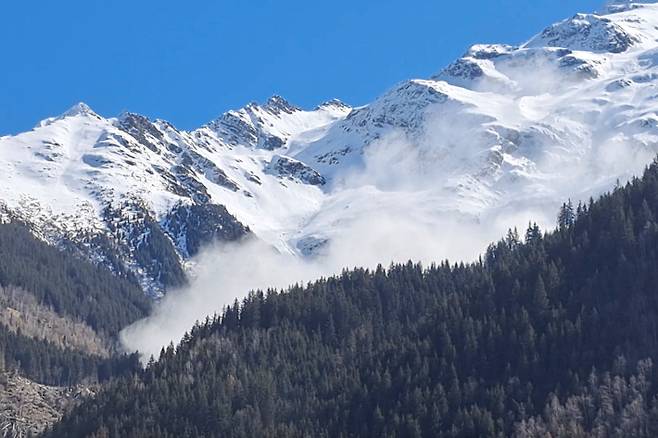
(567, 216)
(533, 233)
(552, 337)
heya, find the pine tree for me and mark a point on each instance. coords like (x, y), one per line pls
(525, 342)
(533, 233)
(567, 216)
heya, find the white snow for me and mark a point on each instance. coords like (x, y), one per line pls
(502, 132)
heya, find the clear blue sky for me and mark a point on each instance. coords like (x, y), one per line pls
(189, 61)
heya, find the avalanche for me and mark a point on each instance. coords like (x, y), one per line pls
(502, 135)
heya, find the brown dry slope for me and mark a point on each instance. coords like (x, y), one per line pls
(27, 408)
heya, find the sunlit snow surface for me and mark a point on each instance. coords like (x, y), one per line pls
(501, 136)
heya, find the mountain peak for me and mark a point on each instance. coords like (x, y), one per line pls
(626, 5)
(588, 32)
(489, 130)
(278, 104)
(128, 115)
(79, 109)
(333, 103)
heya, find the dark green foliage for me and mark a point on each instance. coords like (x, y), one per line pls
(69, 285)
(567, 215)
(159, 247)
(141, 237)
(75, 289)
(451, 350)
(157, 254)
(45, 363)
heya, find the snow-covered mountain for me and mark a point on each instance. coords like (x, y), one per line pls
(502, 130)
(144, 196)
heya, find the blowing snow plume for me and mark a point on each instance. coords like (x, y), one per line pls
(228, 272)
(401, 205)
(439, 168)
(370, 220)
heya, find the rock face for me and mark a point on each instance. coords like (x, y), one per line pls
(288, 168)
(140, 195)
(193, 226)
(503, 128)
(586, 32)
(268, 126)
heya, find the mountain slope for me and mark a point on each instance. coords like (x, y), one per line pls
(507, 129)
(132, 193)
(448, 350)
(501, 135)
(59, 317)
(27, 408)
(60, 314)
(72, 287)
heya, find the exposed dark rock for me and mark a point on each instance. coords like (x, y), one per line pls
(193, 226)
(212, 172)
(139, 237)
(586, 32)
(277, 105)
(284, 167)
(141, 128)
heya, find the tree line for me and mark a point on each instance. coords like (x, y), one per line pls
(548, 331)
(60, 286)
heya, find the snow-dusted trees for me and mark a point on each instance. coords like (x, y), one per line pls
(608, 406)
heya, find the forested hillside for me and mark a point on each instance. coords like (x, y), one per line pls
(536, 335)
(70, 285)
(60, 314)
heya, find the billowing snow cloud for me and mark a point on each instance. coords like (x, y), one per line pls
(439, 168)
